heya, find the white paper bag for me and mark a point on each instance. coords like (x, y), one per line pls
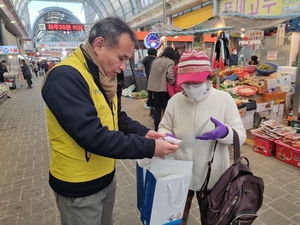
(165, 191)
(142, 165)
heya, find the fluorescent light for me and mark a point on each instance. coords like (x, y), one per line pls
(12, 21)
(2, 5)
(175, 36)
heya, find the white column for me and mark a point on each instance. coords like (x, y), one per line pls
(3, 38)
(215, 7)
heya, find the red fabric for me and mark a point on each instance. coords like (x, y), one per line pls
(52, 64)
(215, 63)
(172, 90)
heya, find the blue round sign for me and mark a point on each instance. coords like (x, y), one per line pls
(152, 40)
(6, 50)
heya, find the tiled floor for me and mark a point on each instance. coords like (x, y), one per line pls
(27, 199)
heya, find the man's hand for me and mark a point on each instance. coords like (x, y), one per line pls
(164, 148)
(154, 135)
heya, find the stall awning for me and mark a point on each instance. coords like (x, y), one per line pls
(142, 34)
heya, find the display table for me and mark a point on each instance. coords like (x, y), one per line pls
(140, 80)
(10, 79)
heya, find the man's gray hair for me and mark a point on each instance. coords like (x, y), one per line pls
(111, 29)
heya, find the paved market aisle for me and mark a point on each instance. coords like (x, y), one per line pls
(26, 198)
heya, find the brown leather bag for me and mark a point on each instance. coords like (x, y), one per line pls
(237, 195)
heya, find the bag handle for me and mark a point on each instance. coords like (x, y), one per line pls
(183, 195)
(236, 145)
(237, 153)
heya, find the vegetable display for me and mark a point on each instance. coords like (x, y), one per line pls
(266, 67)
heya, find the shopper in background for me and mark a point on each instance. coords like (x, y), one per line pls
(152, 54)
(147, 62)
(87, 129)
(3, 69)
(253, 60)
(188, 110)
(177, 56)
(233, 58)
(45, 66)
(173, 89)
(26, 73)
(162, 71)
(51, 65)
(35, 68)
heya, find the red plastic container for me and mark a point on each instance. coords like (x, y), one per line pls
(264, 146)
(287, 153)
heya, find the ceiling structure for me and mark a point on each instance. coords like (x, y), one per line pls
(60, 16)
(137, 13)
(12, 20)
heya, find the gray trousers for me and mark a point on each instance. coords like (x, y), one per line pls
(96, 209)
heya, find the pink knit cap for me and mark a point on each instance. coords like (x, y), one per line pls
(193, 67)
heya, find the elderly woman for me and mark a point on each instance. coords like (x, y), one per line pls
(188, 110)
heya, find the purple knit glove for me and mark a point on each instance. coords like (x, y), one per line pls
(220, 131)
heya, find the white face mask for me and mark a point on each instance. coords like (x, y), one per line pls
(235, 52)
(194, 91)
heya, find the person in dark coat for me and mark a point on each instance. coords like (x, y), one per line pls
(147, 62)
(3, 69)
(45, 66)
(233, 58)
(152, 52)
(26, 73)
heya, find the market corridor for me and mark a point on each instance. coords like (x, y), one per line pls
(27, 199)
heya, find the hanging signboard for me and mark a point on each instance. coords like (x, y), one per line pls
(152, 40)
(6, 50)
(272, 55)
(255, 35)
(280, 34)
(64, 27)
(253, 42)
(58, 45)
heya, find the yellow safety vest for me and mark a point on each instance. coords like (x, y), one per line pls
(68, 161)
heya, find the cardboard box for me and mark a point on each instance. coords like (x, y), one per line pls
(284, 80)
(277, 112)
(274, 96)
(264, 146)
(263, 104)
(263, 84)
(287, 154)
(242, 111)
(248, 121)
(288, 70)
(250, 112)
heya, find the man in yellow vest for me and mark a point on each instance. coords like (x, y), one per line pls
(87, 129)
